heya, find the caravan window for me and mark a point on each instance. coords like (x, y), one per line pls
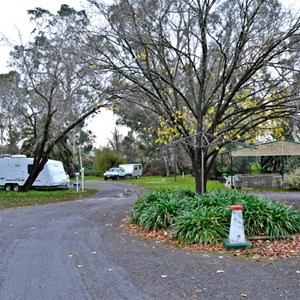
(29, 168)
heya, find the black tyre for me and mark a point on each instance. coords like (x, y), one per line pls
(8, 187)
(16, 188)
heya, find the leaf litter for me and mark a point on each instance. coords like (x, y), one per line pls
(262, 248)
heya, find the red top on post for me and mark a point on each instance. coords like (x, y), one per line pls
(237, 207)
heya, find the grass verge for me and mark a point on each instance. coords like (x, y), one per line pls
(14, 199)
(161, 183)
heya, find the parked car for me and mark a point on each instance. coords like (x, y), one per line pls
(115, 174)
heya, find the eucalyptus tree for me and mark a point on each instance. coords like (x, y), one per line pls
(9, 117)
(139, 144)
(57, 82)
(212, 71)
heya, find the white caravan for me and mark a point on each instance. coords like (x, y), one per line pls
(14, 171)
(133, 170)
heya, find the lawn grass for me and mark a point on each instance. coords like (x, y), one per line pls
(161, 183)
(34, 197)
(188, 182)
(155, 183)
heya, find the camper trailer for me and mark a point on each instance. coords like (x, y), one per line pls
(14, 171)
(133, 170)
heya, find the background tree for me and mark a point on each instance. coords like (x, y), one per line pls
(10, 129)
(106, 158)
(139, 144)
(213, 72)
(57, 82)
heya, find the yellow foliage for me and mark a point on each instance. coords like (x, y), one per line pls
(98, 104)
(171, 129)
(211, 111)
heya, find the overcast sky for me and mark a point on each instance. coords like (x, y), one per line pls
(14, 18)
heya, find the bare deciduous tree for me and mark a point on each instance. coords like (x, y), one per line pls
(213, 71)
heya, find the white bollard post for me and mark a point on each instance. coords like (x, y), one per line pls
(237, 238)
(77, 184)
(237, 231)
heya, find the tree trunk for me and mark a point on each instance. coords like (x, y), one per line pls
(199, 169)
(166, 166)
(36, 169)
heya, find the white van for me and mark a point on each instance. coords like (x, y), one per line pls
(133, 170)
(14, 171)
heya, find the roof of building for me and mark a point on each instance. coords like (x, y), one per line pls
(275, 148)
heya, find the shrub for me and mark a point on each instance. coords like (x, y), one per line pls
(206, 219)
(205, 226)
(292, 181)
(157, 210)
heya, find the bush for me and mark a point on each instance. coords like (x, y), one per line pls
(292, 181)
(205, 225)
(206, 219)
(157, 210)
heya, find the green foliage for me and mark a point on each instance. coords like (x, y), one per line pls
(256, 169)
(271, 164)
(106, 158)
(203, 225)
(291, 164)
(270, 218)
(157, 210)
(292, 181)
(206, 219)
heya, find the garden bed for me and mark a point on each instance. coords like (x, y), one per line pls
(201, 222)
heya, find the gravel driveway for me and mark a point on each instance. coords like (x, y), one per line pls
(290, 198)
(77, 250)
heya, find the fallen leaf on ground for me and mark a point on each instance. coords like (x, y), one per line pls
(272, 249)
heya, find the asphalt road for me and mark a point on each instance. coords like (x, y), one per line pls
(78, 251)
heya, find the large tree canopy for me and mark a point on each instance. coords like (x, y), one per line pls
(58, 86)
(216, 67)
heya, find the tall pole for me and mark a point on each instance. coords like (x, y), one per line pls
(81, 170)
(231, 170)
(202, 165)
(174, 161)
